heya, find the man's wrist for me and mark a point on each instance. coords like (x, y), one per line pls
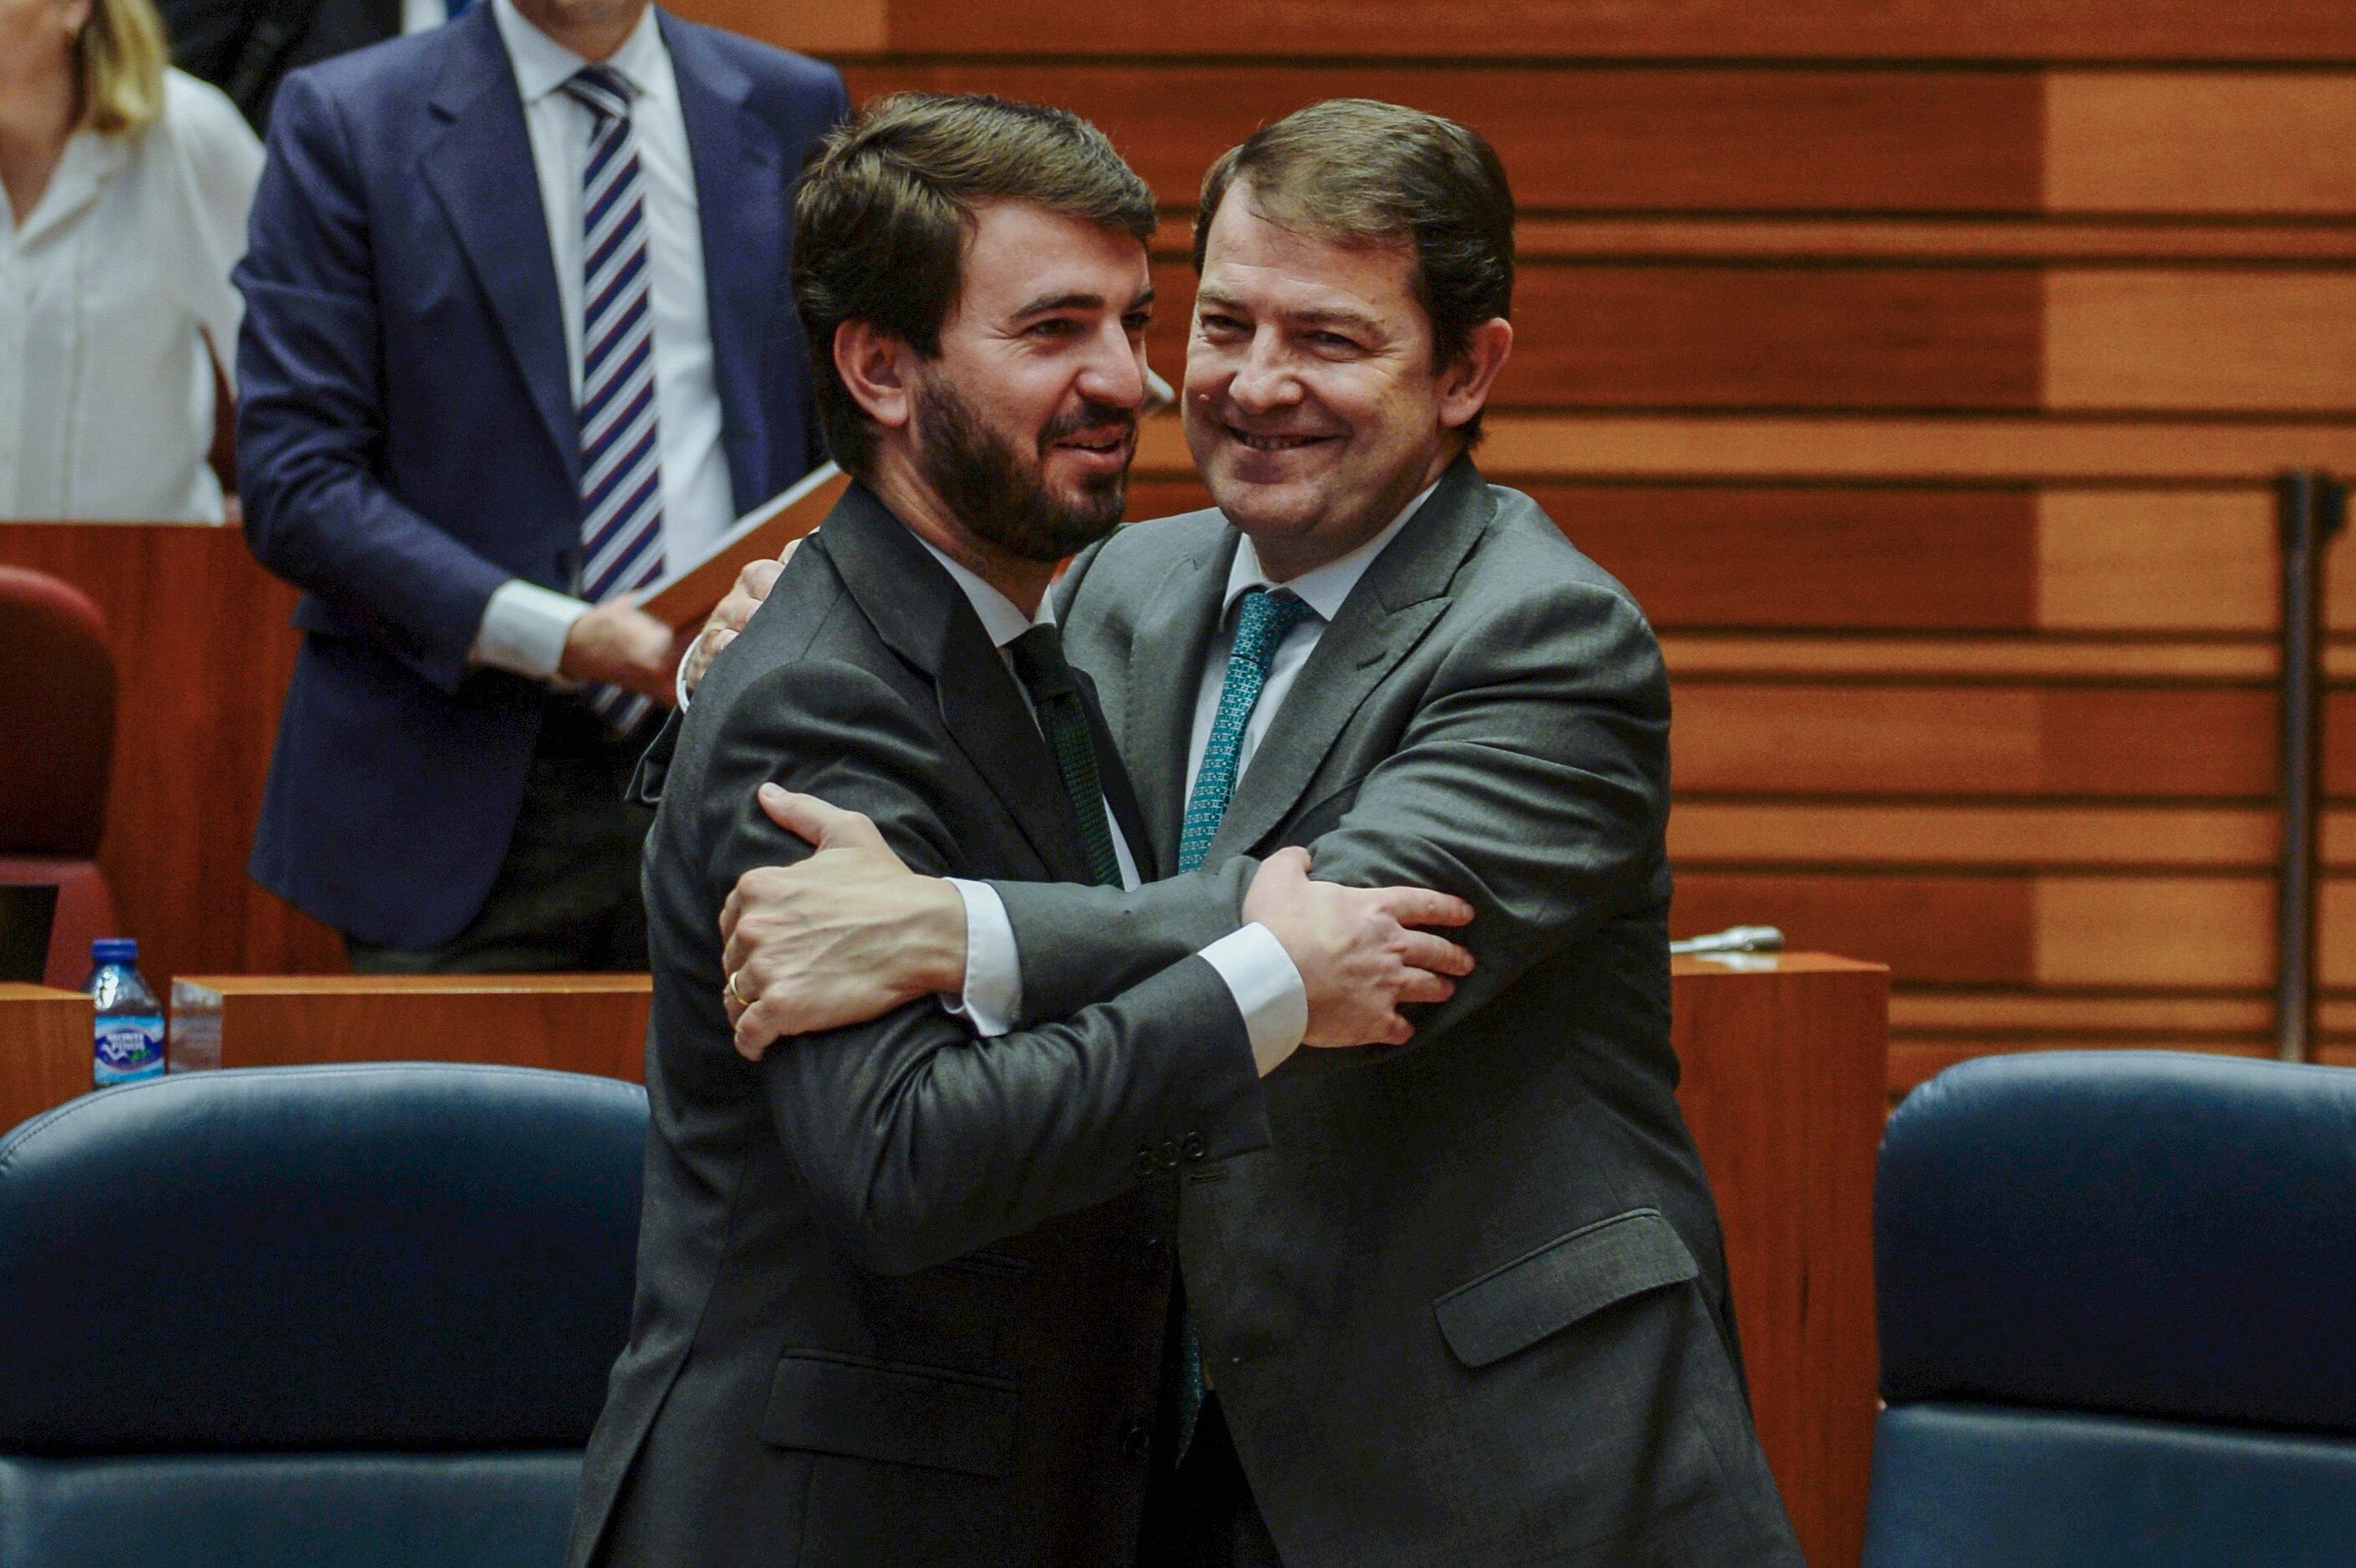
(943, 929)
(525, 628)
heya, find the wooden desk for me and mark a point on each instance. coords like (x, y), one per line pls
(576, 1023)
(1783, 1061)
(44, 1050)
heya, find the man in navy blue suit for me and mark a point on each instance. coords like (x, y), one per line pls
(517, 339)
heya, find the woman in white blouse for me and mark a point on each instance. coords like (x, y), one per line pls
(127, 184)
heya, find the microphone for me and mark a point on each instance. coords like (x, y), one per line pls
(1733, 939)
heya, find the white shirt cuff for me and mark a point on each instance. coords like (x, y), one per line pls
(679, 676)
(1258, 974)
(1268, 990)
(524, 628)
(992, 998)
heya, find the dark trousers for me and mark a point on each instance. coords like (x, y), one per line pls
(1199, 1513)
(566, 896)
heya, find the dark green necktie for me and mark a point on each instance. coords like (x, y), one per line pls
(1038, 656)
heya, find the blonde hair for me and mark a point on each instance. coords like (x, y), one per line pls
(121, 55)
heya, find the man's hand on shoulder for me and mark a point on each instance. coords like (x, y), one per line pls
(1357, 951)
(840, 938)
(731, 614)
(618, 643)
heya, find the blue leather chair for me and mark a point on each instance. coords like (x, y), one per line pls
(2118, 1316)
(316, 1315)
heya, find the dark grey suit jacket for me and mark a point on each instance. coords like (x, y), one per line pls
(1470, 1306)
(900, 1294)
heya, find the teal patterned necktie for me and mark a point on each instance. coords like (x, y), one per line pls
(1062, 712)
(1263, 623)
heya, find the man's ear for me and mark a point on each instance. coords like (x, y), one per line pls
(875, 365)
(1466, 382)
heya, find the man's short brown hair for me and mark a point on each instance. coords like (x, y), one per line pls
(1358, 172)
(886, 206)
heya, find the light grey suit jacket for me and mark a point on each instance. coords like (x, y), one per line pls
(1470, 1307)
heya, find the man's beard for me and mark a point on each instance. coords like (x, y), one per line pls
(985, 484)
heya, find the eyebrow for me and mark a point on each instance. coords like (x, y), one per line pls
(1330, 316)
(1078, 299)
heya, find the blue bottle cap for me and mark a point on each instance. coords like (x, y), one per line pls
(115, 950)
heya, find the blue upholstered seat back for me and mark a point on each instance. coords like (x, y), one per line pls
(2118, 1316)
(333, 1315)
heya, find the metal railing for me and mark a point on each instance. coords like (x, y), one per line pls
(2310, 507)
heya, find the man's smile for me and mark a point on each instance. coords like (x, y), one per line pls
(1272, 443)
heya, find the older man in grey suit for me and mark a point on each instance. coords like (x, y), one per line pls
(1470, 1307)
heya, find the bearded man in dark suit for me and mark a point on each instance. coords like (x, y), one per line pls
(901, 1289)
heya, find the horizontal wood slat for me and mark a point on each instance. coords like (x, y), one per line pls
(2020, 931)
(1920, 1014)
(1577, 139)
(2076, 660)
(1725, 832)
(2200, 142)
(1739, 736)
(2141, 561)
(2157, 30)
(2256, 342)
(1794, 558)
(1927, 239)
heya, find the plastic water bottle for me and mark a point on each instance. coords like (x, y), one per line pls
(129, 1020)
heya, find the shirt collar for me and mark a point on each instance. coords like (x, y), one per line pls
(1000, 616)
(89, 161)
(542, 64)
(1324, 589)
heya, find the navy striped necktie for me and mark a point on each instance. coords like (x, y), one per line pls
(621, 457)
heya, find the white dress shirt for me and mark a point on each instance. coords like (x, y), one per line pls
(524, 626)
(1258, 973)
(110, 289)
(993, 966)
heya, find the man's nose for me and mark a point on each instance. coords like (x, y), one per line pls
(1115, 372)
(1265, 380)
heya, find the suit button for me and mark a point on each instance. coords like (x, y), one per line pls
(1195, 1146)
(1146, 1163)
(1169, 1154)
(1137, 1440)
(1149, 1256)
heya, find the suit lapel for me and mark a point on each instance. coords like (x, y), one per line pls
(1165, 673)
(922, 615)
(1394, 604)
(480, 169)
(740, 201)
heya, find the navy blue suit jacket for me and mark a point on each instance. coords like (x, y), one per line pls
(407, 439)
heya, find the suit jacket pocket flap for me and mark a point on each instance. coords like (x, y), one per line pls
(1541, 1292)
(903, 1416)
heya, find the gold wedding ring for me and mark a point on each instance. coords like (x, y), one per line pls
(742, 999)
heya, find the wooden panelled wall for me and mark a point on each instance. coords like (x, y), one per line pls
(1923, 367)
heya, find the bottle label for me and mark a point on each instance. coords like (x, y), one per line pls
(130, 1048)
